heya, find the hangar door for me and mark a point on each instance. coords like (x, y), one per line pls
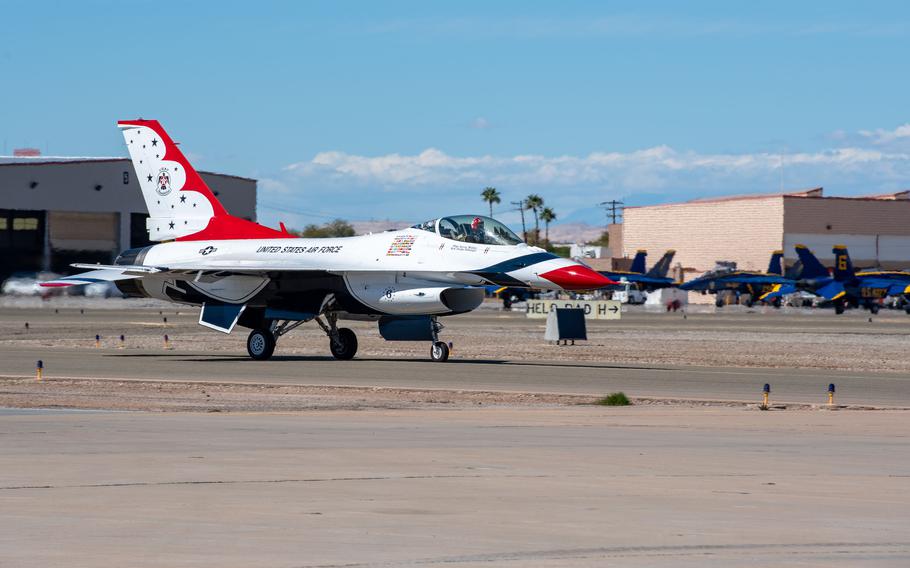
(82, 237)
(21, 241)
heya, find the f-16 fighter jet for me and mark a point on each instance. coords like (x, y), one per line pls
(270, 281)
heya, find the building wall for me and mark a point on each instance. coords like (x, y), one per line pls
(745, 230)
(875, 232)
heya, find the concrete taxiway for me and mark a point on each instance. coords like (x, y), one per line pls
(639, 486)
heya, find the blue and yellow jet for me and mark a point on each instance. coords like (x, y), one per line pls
(766, 286)
(845, 287)
(647, 281)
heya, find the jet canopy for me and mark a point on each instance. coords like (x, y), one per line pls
(471, 229)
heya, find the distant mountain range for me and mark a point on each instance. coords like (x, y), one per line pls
(559, 233)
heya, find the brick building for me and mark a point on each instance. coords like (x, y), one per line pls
(746, 229)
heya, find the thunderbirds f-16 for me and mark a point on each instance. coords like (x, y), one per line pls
(650, 280)
(268, 280)
(845, 287)
(757, 284)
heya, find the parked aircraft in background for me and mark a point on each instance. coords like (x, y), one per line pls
(270, 281)
(648, 281)
(845, 287)
(740, 282)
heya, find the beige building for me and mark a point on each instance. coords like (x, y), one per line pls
(54, 211)
(746, 229)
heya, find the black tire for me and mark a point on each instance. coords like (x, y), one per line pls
(260, 344)
(907, 309)
(439, 352)
(344, 347)
(874, 308)
(838, 308)
(776, 302)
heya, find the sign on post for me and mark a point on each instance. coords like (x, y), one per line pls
(594, 309)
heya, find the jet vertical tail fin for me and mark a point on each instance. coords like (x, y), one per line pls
(180, 204)
(774, 267)
(812, 268)
(843, 267)
(638, 263)
(662, 267)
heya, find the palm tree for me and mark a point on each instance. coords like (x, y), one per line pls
(534, 202)
(547, 215)
(491, 196)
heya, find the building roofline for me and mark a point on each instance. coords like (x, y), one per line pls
(814, 192)
(63, 160)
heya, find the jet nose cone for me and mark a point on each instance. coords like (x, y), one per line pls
(577, 277)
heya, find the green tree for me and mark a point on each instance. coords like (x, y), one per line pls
(547, 215)
(534, 202)
(491, 196)
(335, 228)
(602, 241)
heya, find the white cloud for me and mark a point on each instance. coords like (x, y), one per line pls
(433, 182)
(881, 136)
(480, 123)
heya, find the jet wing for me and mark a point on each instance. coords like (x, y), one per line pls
(91, 277)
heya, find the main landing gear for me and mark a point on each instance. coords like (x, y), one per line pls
(342, 341)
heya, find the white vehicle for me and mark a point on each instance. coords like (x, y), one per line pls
(270, 281)
(629, 294)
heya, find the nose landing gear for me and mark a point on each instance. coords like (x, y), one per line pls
(439, 351)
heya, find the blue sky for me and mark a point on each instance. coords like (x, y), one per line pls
(406, 110)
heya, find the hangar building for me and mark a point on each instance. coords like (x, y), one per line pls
(55, 211)
(746, 229)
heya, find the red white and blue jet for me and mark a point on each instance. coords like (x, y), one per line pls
(271, 281)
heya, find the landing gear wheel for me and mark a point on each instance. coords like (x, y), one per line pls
(439, 352)
(260, 344)
(839, 308)
(874, 308)
(776, 302)
(344, 345)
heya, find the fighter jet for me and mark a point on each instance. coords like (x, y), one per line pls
(270, 281)
(756, 284)
(648, 281)
(846, 287)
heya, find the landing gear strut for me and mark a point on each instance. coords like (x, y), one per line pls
(439, 352)
(342, 341)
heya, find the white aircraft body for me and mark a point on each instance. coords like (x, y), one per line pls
(270, 281)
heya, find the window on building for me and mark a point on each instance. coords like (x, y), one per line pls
(25, 224)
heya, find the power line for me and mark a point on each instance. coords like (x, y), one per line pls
(613, 209)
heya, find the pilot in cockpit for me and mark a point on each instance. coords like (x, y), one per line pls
(477, 231)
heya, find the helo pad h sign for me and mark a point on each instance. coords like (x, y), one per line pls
(594, 309)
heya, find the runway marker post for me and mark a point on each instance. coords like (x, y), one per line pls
(122, 340)
(39, 369)
(167, 342)
(26, 327)
(97, 341)
(831, 394)
(765, 395)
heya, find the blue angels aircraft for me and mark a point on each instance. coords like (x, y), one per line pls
(648, 281)
(847, 287)
(758, 285)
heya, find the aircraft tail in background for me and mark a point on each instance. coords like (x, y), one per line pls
(662, 267)
(775, 266)
(843, 266)
(638, 263)
(812, 268)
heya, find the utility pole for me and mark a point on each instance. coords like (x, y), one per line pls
(521, 209)
(614, 209)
